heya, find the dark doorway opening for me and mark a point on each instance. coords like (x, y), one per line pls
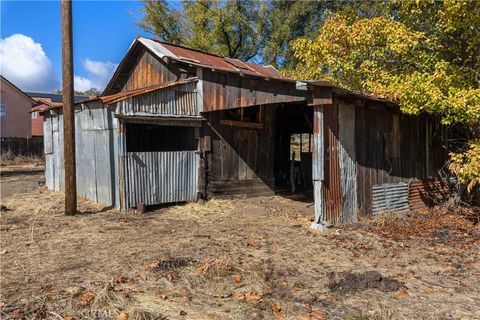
(293, 149)
(143, 137)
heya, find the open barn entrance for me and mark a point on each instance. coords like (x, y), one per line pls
(293, 150)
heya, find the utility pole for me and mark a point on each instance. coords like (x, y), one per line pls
(68, 112)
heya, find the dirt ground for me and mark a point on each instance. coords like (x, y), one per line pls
(237, 259)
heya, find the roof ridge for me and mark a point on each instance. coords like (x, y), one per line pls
(196, 50)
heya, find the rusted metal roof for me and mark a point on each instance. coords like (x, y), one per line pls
(208, 60)
(133, 93)
(42, 105)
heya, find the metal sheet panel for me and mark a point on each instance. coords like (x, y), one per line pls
(180, 100)
(390, 197)
(49, 171)
(161, 177)
(346, 155)
(423, 194)
(318, 145)
(47, 134)
(208, 60)
(332, 187)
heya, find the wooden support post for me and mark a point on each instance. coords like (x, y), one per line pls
(292, 172)
(68, 112)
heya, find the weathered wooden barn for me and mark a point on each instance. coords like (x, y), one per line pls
(175, 124)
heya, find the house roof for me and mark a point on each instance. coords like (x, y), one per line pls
(53, 97)
(192, 57)
(17, 88)
(208, 60)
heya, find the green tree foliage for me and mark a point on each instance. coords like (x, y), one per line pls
(424, 55)
(245, 28)
(227, 28)
(466, 165)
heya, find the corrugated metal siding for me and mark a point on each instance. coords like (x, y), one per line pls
(48, 149)
(161, 177)
(393, 148)
(390, 197)
(346, 154)
(95, 156)
(318, 174)
(173, 101)
(427, 193)
(332, 186)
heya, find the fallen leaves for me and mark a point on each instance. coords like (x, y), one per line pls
(401, 293)
(202, 269)
(122, 316)
(277, 311)
(236, 278)
(319, 315)
(87, 297)
(250, 297)
(170, 276)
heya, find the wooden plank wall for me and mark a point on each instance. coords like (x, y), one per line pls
(241, 153)
(229, 90)
(149, 71)
(393, 147)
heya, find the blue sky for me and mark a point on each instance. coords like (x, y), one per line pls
(102, 32)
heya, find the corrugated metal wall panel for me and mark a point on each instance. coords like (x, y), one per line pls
(318, 145)
(423, 194)
(333, 197)
(161, 177)
(347, 161)
(390, 197)
(318, 164)
(180, 100)
(95, 156)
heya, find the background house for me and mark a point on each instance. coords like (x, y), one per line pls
(15, 119)
(44, 101)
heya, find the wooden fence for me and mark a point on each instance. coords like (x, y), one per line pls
(22, 146)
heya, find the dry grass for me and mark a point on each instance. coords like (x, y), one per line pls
(240, 259)
(10, 159)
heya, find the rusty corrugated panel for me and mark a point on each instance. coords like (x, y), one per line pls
(318, 164)
(348, 172)
(214, 61)
(332, 186)
(427, 193)
(390, 197)
(179, 100)
(161, 177)
(133, 93)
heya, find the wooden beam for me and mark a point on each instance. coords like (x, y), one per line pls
(318, 96)
(243, 124)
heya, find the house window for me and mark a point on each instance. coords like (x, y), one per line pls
(34, 115)
(3, 110)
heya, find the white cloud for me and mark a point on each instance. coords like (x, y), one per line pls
(98, 75)
(23, 62)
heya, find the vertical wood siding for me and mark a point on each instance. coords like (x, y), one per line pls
(149, 71)
(393, 148)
